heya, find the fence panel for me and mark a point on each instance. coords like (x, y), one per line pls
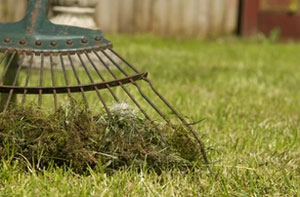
(231, 16)
(144, 10)
(12, 10)
(168, 17)
(173, 17)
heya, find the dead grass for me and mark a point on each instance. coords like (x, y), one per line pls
(74, 138)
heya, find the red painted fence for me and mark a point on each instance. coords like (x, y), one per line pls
(267, 15)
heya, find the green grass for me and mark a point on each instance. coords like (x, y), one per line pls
(248, 93)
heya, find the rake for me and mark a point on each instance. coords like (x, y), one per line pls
(41, 59)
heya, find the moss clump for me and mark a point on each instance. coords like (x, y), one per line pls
(75, 138)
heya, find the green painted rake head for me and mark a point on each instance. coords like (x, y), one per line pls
(41, 59)
(35, 33)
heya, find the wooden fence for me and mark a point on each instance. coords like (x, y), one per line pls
(165, 17)
(12, 10)
(169, 17)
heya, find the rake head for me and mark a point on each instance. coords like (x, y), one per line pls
(43, 62)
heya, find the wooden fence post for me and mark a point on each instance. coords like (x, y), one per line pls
(249, 17)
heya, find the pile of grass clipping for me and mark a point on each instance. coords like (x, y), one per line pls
(75, 138)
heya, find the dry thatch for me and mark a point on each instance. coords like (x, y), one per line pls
(75, 138)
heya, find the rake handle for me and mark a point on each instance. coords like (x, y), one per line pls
(36, 15)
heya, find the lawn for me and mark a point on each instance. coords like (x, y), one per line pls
(248, 93)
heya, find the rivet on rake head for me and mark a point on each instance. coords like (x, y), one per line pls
(53, 43)
(98, 38)
(84, 40)
(22, 42)
(7, 40)
(38, 43)
(69, 42)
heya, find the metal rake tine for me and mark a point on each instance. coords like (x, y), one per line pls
(66, 78)
(92, 81)
(124, 88)
(133, 99)
(53, 82)
(94, 66)
(78, 80)
(41, 79)
(151, 103)
(102, 78)
(116, 65)
(12, 90)
(137, 86)
(105, 65)
(126, 62)
(139, 89)
(202, 146)
(3, 56)
(135, 102)
(7, 66)
(28, 73)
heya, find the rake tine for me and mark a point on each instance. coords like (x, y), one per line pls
(7, 65)
(151, 103)
(3, 56)
(133, 99)
(202, 146)
(139, 89)
(102, 78)
(41, 79)
(117, 65)
(105, 65)
(27, 79)
(125, 61)
(78, 80)
(66, 78)
(12, 90)
(124, 88)
(53, 82)
(136, 103)
(97, 90)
